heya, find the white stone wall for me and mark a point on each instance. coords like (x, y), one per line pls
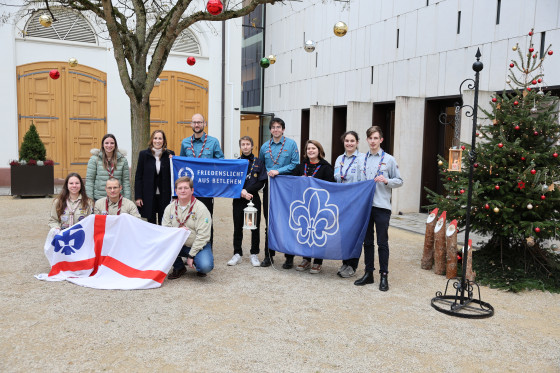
(18, 51)
(431, 61)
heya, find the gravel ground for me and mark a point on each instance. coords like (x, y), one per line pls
(242, 318)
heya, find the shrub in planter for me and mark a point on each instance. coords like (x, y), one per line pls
(32, 148)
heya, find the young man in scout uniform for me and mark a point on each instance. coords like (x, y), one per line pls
(256, 177)
(383, 169)
(115, 203)
(280, 156)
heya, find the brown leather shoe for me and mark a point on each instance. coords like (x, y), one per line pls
(176, 273)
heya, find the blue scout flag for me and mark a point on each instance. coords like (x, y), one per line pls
(318, 219)
(211, 177)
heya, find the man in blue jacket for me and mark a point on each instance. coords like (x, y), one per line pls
(280, 156)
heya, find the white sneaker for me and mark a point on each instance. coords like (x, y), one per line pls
(236, 259)
(255, 260)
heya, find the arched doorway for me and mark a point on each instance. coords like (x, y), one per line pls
(70, 113)
(173, 103)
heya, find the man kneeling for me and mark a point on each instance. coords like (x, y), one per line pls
(115, 203)
(189, 213)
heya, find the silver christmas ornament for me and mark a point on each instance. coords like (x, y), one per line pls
(534, 110)
(529, 206)
(157, 82)
(508, 80)
(309, 46)
(540, 93)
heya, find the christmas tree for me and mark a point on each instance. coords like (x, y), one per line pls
(32, 147)
(516, 195)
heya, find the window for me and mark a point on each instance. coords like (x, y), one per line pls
(458, 22)
(397, 38)
(543, 45)
(70, 26)
(498, 9)
(186, 42)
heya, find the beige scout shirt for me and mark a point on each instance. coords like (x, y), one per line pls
(200, 224)
(65, 219)
(127, 207)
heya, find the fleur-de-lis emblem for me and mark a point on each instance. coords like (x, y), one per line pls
(314, 218)
(70, 241)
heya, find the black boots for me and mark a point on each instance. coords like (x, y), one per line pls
(289, 263)
(384, 283)
(267, 262)
(366, 279)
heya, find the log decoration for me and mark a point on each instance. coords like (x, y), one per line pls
(451, 244)
(428, 254)
(439, 246)
(470, 274)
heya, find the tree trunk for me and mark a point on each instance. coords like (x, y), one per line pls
(451, 271)
(428, 255)
(470, 274)
(439, 246)
(140, 131)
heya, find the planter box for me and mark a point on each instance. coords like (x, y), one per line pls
(32, 180)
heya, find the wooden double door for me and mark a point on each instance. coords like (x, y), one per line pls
(173, 103)
(70, 113)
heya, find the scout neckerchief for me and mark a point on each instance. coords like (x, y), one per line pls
(71, 207)
(275, 161)
(314, 172)
(201, 149)
(182, 223)
(378, 167)
(119, 207)
(251, 170)
(343, 176)
(110, 167)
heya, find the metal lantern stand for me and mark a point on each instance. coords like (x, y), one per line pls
(463, 303)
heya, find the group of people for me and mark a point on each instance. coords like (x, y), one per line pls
(107, 191)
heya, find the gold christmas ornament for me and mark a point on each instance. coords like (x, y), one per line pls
(272, 59)
(440, 163)
(496, 210)
(340, 29)
(45, 20)
(530, 241)
(73, 62)
(514, 48)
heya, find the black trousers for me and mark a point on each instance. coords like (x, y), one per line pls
(379, 224)
(209, 203)
(158, 207)
(267, 251)
(238, 205)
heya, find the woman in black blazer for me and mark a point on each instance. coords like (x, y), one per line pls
(152, 187)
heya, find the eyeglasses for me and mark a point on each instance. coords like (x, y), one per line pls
(197, 122)
(113, 188)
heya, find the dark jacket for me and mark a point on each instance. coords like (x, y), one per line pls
(256, 174)
(325, 172)
(147, 180)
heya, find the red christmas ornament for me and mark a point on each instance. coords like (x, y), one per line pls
(533, 171)
(540, 80)
(517, 128)
(449, 178)
(462, 147)
(531, 50)
(543, 197)
(535, 133)
(500, 145)
(214, 7)
(555, 155)
(534, 56)
(494, 99)
(521, 185)
(463, 191)
(534, 81)
(487, 206)
(529, 89)
(530, 33)
(54, 74)
(550, 53)
(475, 165)
(522, 158)
(516, 103)
(497, 187)
(191, 61)
(537, 229)
(511, 65)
